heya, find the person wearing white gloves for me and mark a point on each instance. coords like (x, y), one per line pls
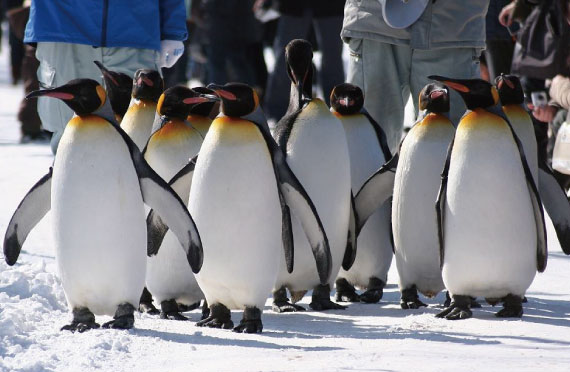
(123, 35)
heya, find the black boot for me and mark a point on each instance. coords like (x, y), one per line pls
(374, 291)
(321, 299)
(410, 299)
(281, 303)
(220, 317)
(512, 307)
(169, 310)
(124, 317)
(146, 305)
(345, 292)
(251, 321)
(83, 320)
(458, 309)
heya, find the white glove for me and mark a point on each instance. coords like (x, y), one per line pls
(170, 51)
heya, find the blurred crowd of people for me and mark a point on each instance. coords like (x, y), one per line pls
(226, 41)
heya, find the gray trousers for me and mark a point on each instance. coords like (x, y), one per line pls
(388, 73)
(62, 62)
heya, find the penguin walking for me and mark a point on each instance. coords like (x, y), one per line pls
(140, 116)
(491, 227)
(552, 195)
(242, 194)
(96, 193)
(368, 150)
(167, 151)
(118, 86)
(316, 149)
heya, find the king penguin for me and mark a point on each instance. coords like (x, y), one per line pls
(316, 149)
(118, 86)
(96, 193)
(368, 150)
(167, 151)
(552, 195)
(139, 118)
(201, 114)
(491, 227)
(242, 195)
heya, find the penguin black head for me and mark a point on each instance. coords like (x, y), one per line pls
(434, 97)
(347, 99)
(176, 102)
(119, 88)
(237, 99)
(299, 58)
(204, 109)
(147, 85)
(510, 90)
(83, 96)
(477, 93)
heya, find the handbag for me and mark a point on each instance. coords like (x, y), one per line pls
(543, 41)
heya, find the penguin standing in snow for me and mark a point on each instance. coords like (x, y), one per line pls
(551, 193)
(118, 86)
(491, 227)
(368, 150)
(316, 149)
(96, 193)
(167, 151)
(139, 118)
(242, 195)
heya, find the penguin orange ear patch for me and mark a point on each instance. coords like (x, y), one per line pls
(101, 93)
(160, 102)
(458, 87)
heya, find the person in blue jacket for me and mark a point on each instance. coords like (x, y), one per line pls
(124, 35)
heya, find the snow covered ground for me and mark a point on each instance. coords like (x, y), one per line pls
(379, 337)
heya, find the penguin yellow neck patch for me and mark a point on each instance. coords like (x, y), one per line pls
(102, 95)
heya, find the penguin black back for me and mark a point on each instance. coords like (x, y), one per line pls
(510, 90)
(434, 97)
(347, 99)
(477, 93)
(147, 85)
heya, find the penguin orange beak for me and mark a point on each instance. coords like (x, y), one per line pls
(451, 83)
(106, 73)
(54, 93)
(220, 92)
(196, 100)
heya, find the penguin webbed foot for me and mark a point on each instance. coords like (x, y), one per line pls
(169, 309)
(374, 292)
(220, 317)
(321, 299)
(474, 304)
(345, 292)
(83, 320)
(410, 299)
(146, 305)
(458, 309)
(251, 322)
(184, 308)
(205, 310)
(512, 307)
(281, 303)
(124, 317)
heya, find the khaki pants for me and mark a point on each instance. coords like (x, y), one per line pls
(388, 73)
(62, 62)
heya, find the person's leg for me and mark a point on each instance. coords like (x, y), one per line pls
(331, 72)
(277, 92)
(499, 55)
(30, 123)
(382, 72)
(459, 63)
(128, 60)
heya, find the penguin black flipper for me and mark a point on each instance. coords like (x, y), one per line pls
(350, 252)
(287, 233)
(156, 228)
(377, 189)
(556, 205)
(379, 133)
(440, 202)
(158, 195)
(298, 200)
(30, 211)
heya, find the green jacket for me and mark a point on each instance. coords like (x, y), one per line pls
(444, 24)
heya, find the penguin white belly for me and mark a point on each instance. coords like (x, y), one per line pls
(490, 232)
(317, 152)
(168, 274)
(138, 120)
(414, 223)
(374, 247)
(235, 204)
(98, 216)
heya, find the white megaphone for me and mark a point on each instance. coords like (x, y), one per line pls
(402, 13)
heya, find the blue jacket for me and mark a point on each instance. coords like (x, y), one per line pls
(107, 23)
